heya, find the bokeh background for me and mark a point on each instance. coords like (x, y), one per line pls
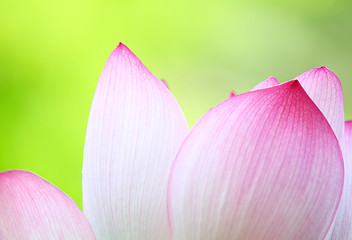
(52, 53)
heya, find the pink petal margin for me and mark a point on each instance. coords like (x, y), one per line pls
(325, 89)
(32, 208)
(165, 83)
(135, 129)
(261, 165)
(270, 82)
(343, 222)
(232, 94)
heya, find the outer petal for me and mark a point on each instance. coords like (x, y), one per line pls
(343, 222)
(270, 82)
(325, 89)
(32, 208)
(134, 131)
(261, 165)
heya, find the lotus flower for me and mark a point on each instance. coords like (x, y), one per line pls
(273, 163)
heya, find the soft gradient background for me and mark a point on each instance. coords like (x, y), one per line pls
(52, 53)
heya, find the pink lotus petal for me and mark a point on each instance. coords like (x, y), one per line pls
(232, 94)
(32, 208)
(134, 131)
(165, 83)
(261, 165)
(343, 222)
(325, 89)
(270, 82)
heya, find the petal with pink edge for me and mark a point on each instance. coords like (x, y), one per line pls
(135, 129)
(343, 222)
(165, 83)
(325, 89)
(262, 165)
(270, 82)
(32, 208)
(232, 94)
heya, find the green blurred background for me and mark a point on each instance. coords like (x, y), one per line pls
(52, 53)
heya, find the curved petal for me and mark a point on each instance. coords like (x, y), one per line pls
(134, 131)
(343, 222)
(32, 208)
(261, 165)
(270, 82)
(325, 89)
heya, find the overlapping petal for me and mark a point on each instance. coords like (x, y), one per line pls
(261, 165)
(270, 82)
(343, 222)
(32, 208)
(134, 131)
(325, 89)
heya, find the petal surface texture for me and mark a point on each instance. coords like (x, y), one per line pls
(32, 208)
(261, 165)
(343, 221)
(270, 82)
(134, 131)
(325, 89)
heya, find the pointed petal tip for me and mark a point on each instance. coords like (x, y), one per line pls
(322, 69)
(331, 73)
(121, 48)
(325, 89)
(270, 82)
(232, 94)
(292, 85)
(294, 82)
(133, 104)
(121, 45)
(123, 51)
